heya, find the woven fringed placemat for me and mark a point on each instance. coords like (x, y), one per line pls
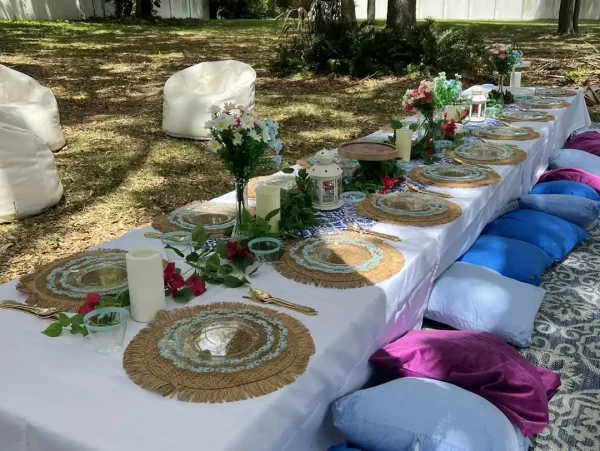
(417, 202)
(548, 118)
(207, 212)
(343, 261)
(531, 134)
(517, 157)
(231, 352)
(38, 284)
(533, 106)
(491, 177)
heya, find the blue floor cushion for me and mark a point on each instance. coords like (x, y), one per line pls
(425, 415)
(567, 187)
(577, 210)
(553, 235)
(573, 158)
(473, 298)
(511, 258)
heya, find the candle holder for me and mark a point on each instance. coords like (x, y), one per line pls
(266, 250)
(107, 327)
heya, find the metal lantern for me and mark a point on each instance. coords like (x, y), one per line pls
(477, 106)
(327, 181)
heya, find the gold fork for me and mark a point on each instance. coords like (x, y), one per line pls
(415, 189)
(265, 298)
(459, 161)
(40, 312)
(356, 228)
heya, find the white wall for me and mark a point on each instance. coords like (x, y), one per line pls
(485, 9)
(80, 9)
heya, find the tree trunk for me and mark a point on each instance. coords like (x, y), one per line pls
(348, 11)
(576, 11)
(143, 8)
(402, 13)
(565, 17)
(371, 11)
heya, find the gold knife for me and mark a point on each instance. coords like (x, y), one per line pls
(414, 189)
(265, 298)
(40, 312)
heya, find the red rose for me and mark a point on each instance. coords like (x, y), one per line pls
(388, 184)
(449, 129)
(233, 251)
(173, 281)
(196, 285)
(91, 302)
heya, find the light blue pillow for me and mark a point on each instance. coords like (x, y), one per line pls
(577, 210)
(573, 158)
(410, 414)
(553, 235)
(567, 187)
(473, 298)
(511, 258)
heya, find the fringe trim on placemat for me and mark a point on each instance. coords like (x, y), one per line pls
(532, 134)
(392, 263)
(564, 104)
(148, 369)
(367, 210)
(492, 178)
(517, 157)
(548, 118)
(36, 284)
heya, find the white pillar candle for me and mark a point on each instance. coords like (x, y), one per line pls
(452, 112)
(146, 284)
(268, 199)
(515, 80)
(404, 143)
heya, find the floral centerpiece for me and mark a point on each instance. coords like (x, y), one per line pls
(242, 143)
(446, 91)
(503, 59)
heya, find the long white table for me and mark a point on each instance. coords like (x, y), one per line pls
(59, 395)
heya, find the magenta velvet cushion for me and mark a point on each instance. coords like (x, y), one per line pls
(478, 362)
(573, 174)
(588, 142)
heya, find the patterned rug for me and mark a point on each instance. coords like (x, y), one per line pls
(567, 340)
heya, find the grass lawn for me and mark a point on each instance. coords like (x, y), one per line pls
(119, 170)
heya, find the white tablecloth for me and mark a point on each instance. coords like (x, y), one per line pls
(59, 395)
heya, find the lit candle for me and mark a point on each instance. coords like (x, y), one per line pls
(268, 199)
(452, 112)
(515, 80)
(146, 284)
(404, 143)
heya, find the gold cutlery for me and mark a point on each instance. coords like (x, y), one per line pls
(154, 235)
(385, 236)
(265, 298)
(40, 312)
(415, 189)
(459, 161)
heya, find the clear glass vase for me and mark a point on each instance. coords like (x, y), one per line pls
(241, 204)
(501, 90)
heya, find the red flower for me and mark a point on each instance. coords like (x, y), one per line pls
(196, 285)
(430, 152)
(173, 281)
(91, 302)
(428, 98)
(502, 56)
(449, 128)
(233, 251)
(388, 184)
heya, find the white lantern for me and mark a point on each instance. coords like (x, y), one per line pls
(327, 181)
(477, 106)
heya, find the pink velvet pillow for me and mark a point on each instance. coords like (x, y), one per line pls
(588, 142)
(478, 362)
(573, 174)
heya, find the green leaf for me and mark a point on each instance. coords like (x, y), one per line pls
(233, 282)
(414, 127)
(76, 320)
(272, 214)
(200, 235)
(53, 330)
(303, 173)
(192, 257)
(395, 124)
(221, 248)
(177, 251)
(213, 262)
(76, 330)
(288, 170)
(64, 320)
(183, 295)
(246, 217)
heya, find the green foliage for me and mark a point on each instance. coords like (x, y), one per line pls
(242, 9)
(345, 48)
(296, 212)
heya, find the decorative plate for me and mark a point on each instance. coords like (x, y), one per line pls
(556, 92)
(454, 176)
(347, 260)
(527, 116)
(285, 181)
(488, 153)
(507, 133)
(66, 282)
(353, 197)
(409, 208)
(219, 352)
(215, 217)
(544, 104)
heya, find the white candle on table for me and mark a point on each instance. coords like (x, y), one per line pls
(146, 284)
(452, 112)
(268, 199)
(515, 80)
(404, 143)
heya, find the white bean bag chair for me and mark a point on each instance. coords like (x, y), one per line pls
(189, 94)
(26, 104)
(29, 182)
